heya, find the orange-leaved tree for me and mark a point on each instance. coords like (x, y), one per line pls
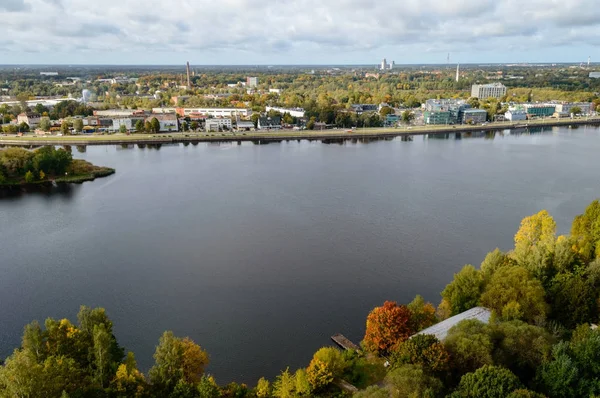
(387, 326)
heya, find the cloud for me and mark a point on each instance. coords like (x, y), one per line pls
(14, 6)
(310, 28)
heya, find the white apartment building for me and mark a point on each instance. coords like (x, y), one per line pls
(218, 124)
(294, 112)
(252, 81)
(216, 112)
(493, 90)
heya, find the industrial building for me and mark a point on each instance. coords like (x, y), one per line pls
(445, 111)
(514, 115)
(493, 90)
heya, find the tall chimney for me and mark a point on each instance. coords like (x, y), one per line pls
(189, 84)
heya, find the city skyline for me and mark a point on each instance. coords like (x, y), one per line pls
(303, 32)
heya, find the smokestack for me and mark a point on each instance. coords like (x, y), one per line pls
(457, 72)
(189, 84)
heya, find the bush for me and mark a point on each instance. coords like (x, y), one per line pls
(29, 178)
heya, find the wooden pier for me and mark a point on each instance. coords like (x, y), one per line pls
(344, 342)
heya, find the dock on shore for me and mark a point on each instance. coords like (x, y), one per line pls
(344, 342)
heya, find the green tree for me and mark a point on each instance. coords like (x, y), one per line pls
(407, 116)
(494, 261)
(194, 125)
(185, 126)
(488, 382)
(29, 177)
(464, 291)
(65, 128)
(513, 291)
(78, 125)
(522, 348)
(422, 314)
(333, 359)
(424, 350)
(386, 110)
(311, 123)
(147, 126)
(576, 110)
(139, 126)
(207, 388)
(470, 346)
(155, 125)
(372, 392)
(23, 127)
(123, 129)
(177, 359)
(412, 381)
(573, 300)
(102, 356)
(45, 124)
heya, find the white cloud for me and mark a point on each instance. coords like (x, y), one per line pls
(276, 27)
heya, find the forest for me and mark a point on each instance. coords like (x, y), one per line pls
(21, 166)
(541, 339)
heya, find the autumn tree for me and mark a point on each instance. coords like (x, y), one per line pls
(154, 125)
(424, 350)
(139, 126)
(284, 385)
(177, 359)
(386, 327)
(534, 243)
(586, 232)
(263, 388)
(464, 291)
(513, 293)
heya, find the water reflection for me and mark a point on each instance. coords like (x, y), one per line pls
(67, 191)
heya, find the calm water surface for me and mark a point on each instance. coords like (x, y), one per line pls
(261, 252)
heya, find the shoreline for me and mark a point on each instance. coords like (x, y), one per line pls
(383, 132)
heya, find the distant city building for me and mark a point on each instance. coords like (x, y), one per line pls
(168, 121)
(49, 73)
(269, 123)
(218, 124)
(32, 119)
(445, 111)
(275, 90)
(483, 91)
(473, 116)
(252, 81)
(565, 107)
(361, 108)
(214, 112)
(244, 125)
(294, 112)
(514, 115)
(540, 110)
(595, 75)
(118, 112)
(384, 65)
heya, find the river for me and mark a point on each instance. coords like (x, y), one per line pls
(260, 253)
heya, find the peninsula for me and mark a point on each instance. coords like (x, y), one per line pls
(47, 165)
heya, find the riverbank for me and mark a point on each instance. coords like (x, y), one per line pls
(117, 139)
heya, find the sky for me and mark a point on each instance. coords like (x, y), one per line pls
(313, 32)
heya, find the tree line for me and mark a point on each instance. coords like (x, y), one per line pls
(540, 341)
